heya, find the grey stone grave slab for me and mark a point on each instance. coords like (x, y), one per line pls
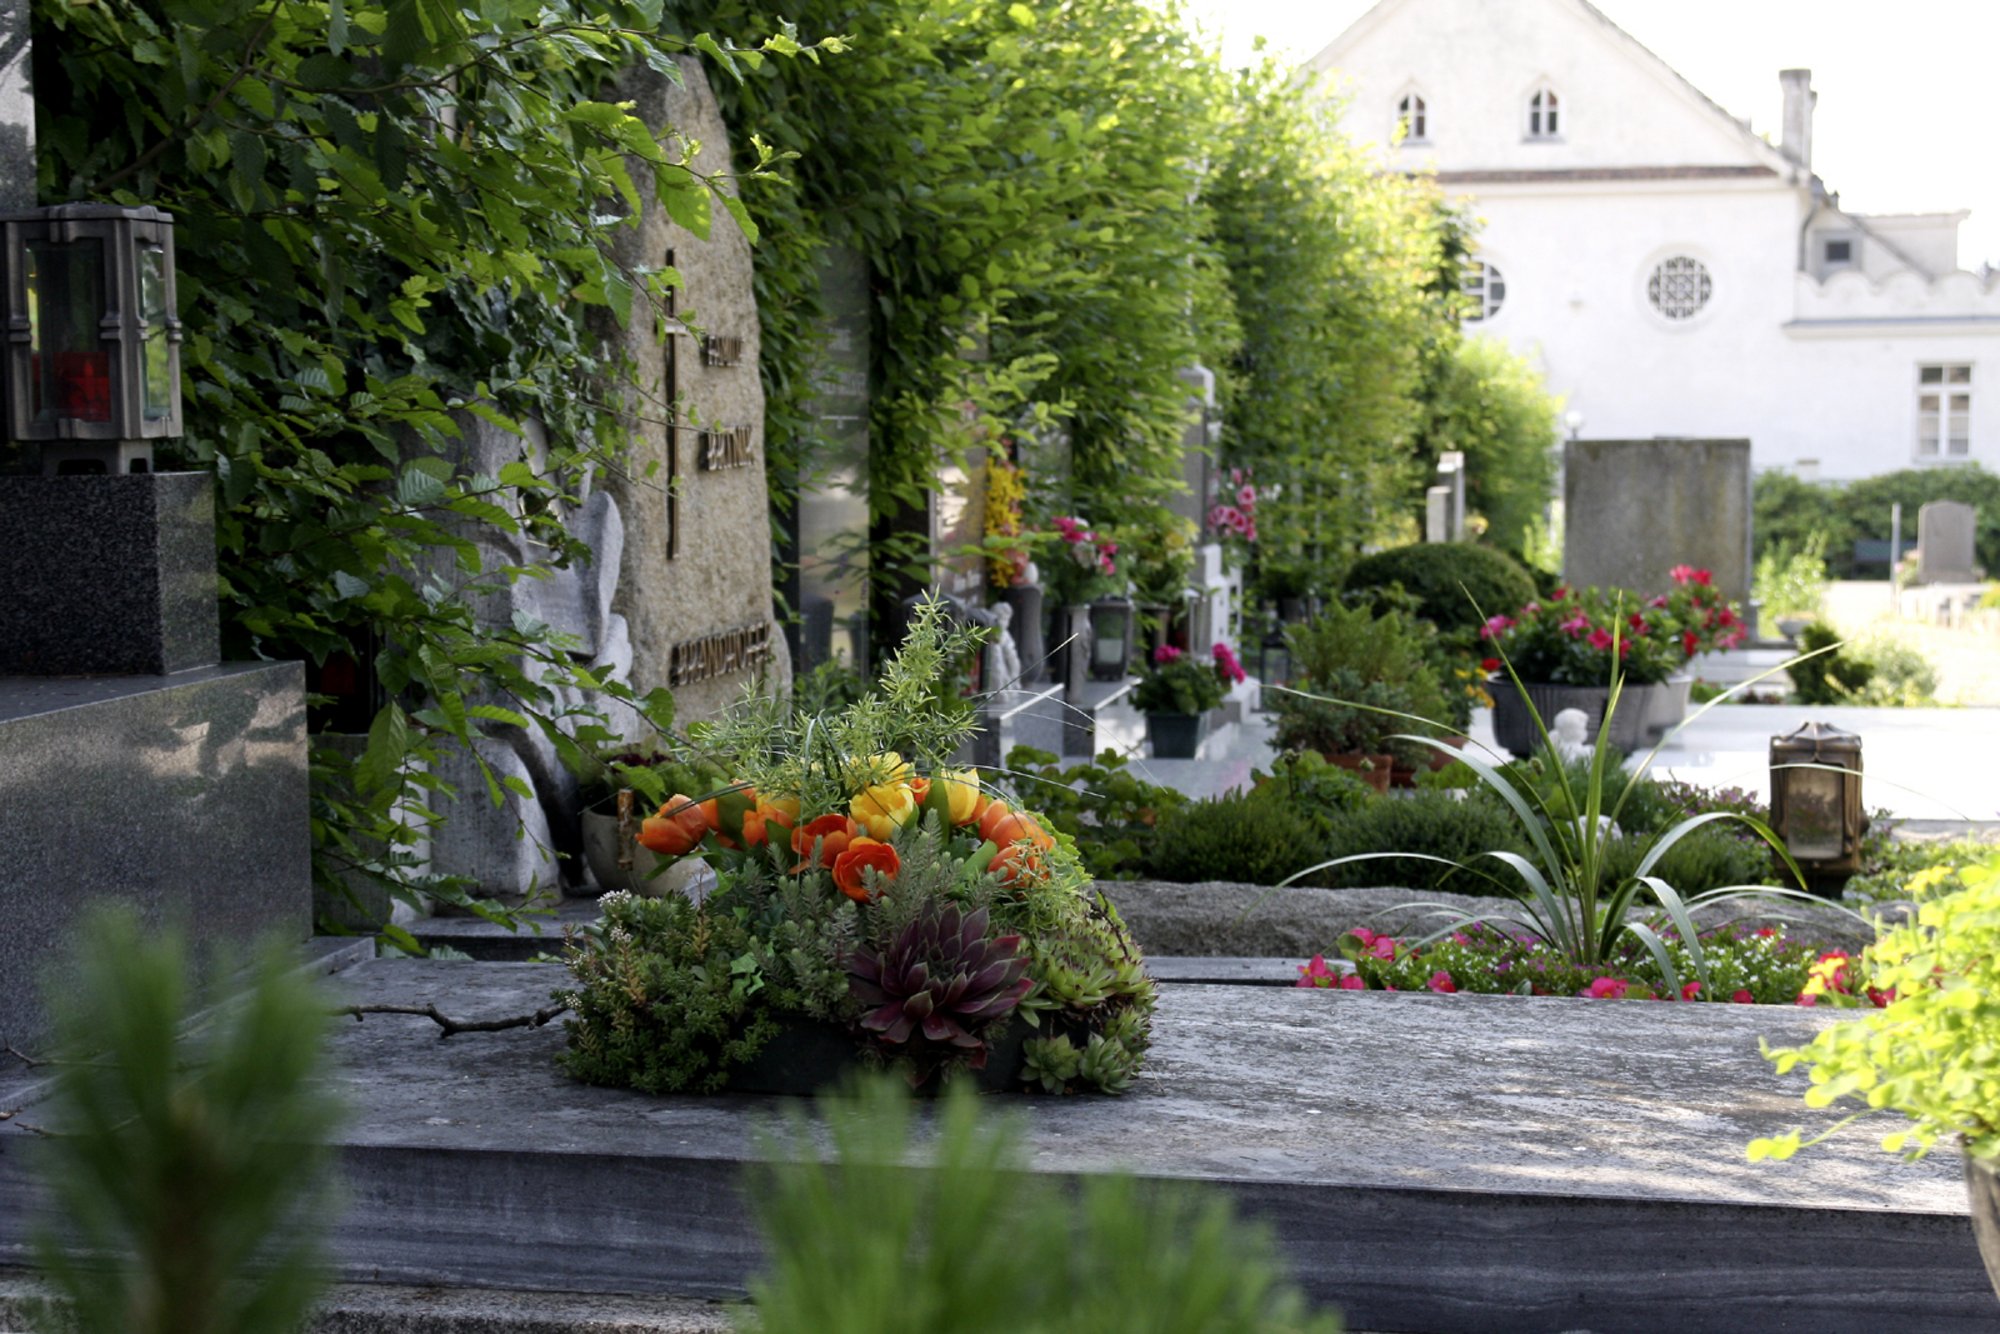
(1946, 531)
(1634, 509)
(107, 574)
(185, 798)
(1435, 1163)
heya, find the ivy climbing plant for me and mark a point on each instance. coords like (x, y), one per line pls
(391, 221)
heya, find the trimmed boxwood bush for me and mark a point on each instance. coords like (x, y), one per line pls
(1438, 824)
(1440, 575)
(1248, 839)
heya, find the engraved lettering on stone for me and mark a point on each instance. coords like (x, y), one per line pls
(743, 650)
(721, 350)
(729, 448)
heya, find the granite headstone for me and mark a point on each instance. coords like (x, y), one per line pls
(1634, 509)
(1946, 533)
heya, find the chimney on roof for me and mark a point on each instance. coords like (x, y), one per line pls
(1799, 99)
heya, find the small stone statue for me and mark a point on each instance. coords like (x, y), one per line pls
(1006, 651)
(1571, 735)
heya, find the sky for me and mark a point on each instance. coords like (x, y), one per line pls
(1909, 93)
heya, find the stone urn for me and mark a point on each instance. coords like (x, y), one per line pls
(616, 860)
(1666, 706)
(1982, 1183)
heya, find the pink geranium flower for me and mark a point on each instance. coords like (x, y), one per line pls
(1576, 625)
(1441, 981)
(1606, 988)
(1165, 654)
(1600, 638)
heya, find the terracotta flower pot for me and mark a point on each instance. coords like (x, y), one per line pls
(1374, 770)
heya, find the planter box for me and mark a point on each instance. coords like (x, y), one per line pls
(1514, 726)
(1175, 736)
(809, 1058)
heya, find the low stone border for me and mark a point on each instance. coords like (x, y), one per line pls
(1222, 918)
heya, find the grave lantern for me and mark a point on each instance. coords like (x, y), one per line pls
(1111, 635)
(1816, 799)
(1274, 663)
(93, 370)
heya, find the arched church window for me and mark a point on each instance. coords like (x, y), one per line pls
(1544, 112)
(1412, 118)
(1679, 287)
(1485, 290)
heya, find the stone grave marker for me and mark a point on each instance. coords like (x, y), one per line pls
(1946, 531)
(695, 584)
(1634, 509)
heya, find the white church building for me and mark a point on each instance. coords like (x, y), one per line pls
(1672, 273)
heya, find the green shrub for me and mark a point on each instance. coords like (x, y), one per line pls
(974, 1243)
(1829, 678)
(1899, 676)
(1433, 823)
(1258, 842)
(200, 1158)
(1711, 857)
(1319, 792)
(1111, 812)
(1447, 578)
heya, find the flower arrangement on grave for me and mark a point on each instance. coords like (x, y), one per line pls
(1571, 637)
(1084, 565)
(1175, 681)
(899, 903)
(1009, 563)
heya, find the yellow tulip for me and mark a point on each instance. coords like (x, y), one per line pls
(961, 793)
(883, 808)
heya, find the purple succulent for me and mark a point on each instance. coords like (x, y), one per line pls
(938, 988)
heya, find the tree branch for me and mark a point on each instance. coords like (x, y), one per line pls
(450, 1026)
(152, 155)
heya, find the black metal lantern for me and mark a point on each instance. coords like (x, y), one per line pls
(93, 366)
(1274, 666)
(1112, 630)
(1816, 799)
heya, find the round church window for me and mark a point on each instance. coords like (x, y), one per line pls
(1679, 287)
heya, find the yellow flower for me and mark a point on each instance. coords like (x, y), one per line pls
(871, 771)
(883, 808)
(960, 792)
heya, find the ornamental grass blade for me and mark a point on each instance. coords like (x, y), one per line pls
(1683, 921)
(1658, 949)
(1536, 827)
(1544, 904)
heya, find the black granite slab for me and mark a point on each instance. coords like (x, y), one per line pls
(1446, 1164)
(107, 574)
(185, 796)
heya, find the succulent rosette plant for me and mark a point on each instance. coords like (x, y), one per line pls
(868, 887)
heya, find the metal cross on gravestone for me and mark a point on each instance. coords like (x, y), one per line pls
(17, 110)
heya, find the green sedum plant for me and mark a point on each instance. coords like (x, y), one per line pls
(1933, 1053)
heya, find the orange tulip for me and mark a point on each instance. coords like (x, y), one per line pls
(833, 833)
(863, 854)
(1013, 827)
(756, 822)
(919, 789)
(676, 829)
(1018, 865)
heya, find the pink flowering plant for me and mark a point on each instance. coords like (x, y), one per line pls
(1176, 681)
(1747, 965)
(1233, 516)
(1565, 895)
(1084, 564)
(1572, 636)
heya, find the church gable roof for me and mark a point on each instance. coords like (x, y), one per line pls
(1664, 121)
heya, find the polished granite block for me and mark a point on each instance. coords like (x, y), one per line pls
(107, 574)
(185, 797)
